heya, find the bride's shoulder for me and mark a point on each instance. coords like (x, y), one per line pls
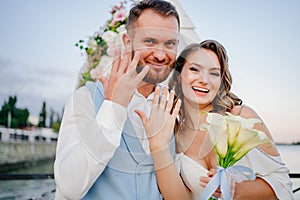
(244, 111)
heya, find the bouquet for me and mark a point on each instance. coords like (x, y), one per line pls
(232, 137)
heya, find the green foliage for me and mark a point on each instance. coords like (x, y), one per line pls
(11, 116)
(102, 43)
(43, 116)
(54, 124)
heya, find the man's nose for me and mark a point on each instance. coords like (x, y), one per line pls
(160, 54)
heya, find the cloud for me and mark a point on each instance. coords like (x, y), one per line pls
(32, 85)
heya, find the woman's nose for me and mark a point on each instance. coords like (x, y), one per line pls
(202, 77)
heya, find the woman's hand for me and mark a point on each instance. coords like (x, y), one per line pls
(159, 126)
(205, 179)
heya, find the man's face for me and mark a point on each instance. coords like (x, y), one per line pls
(156, 38)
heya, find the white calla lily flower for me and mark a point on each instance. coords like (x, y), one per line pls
(221, 145)
(233, 136)
(254, 139)
(233, 128)
(245, 123)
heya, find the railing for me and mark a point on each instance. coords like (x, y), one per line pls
(295, 175)
(19, 135)
(5, 177)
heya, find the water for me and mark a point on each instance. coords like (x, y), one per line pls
(290, 155)
(44, 189)
(29, 189)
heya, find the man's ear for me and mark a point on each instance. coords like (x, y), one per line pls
(126, 39)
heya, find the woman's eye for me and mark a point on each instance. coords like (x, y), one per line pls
(194, 69)
(215, 74)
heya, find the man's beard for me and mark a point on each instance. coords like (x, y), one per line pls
(155, 76)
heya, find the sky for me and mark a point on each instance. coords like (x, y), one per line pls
(39, 61)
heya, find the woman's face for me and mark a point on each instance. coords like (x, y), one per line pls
(201, 77)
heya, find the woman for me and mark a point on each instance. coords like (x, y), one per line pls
(202, 82)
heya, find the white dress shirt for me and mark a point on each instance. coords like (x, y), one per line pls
(87, 140)
(139, 102)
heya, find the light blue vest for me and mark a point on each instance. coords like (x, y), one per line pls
(130, 173)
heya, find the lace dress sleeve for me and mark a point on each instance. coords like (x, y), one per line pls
(272, 170)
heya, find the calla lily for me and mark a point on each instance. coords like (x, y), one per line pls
(244, 136)
(245, 123)
(214, 132)
(215, 119)
(233, 137)
(233, 127)
(221, 144)
(258, 137)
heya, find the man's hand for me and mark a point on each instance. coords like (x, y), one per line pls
(123, 79)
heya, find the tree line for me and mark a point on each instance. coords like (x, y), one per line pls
(13, 117)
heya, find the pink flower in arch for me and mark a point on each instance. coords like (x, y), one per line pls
(119, 16)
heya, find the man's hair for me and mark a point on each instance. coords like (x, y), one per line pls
(161, 7)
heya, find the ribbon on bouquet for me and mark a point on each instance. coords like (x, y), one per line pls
(222, 178)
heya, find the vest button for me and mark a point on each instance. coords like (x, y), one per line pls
(139, 170)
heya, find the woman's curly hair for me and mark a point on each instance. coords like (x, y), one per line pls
(225, 100)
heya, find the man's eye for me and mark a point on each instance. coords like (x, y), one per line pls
(170, 43)
(149, 41)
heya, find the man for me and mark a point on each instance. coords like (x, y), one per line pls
(102, 150)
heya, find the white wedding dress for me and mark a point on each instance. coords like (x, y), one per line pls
(267, 167)
(190, 172)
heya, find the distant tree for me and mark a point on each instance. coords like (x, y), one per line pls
(22, 117)
(51, 117)
(43, 116)
(56, 125)
(11, 116)
(4, 114)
